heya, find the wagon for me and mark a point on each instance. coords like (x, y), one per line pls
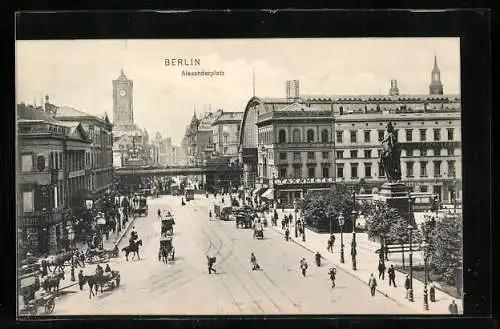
(166, 249)
(32, 301)
(258, 231)
(142, 209)
(111, 280)
(167, 225)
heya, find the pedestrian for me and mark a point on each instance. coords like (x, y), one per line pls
(159, 214)
(372, 283)
(331, 241)
(81, 280)
(223, 199)
(210, 214)
(283, 224)
(392, 276)
(82, 258)
(303, 266)
(453, 307)
(253, 262)
(211, 262)
(381, 270)
(275, 221)
(407, 286)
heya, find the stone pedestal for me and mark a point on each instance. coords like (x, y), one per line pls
(397, 196)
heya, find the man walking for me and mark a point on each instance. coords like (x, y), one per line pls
(211, 262)
(303, 266)
(392, 276)
(453, 308)
(372, 283)
(381, 270)
(407, 286)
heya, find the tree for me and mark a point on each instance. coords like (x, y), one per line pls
(380, 216)
(321, 208)
(446, 252)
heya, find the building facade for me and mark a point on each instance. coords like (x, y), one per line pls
(225, 133)
(299, 145)
(51, 170)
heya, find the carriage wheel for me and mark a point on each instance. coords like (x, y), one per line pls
(111, 285)
(49, 306)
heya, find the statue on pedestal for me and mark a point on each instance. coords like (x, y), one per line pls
(390, 156)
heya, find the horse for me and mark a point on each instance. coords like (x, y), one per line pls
(58, 260)
(95, 280)
(132, 248)
(53, 282)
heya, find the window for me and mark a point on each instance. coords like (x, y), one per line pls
(28, 201)
(225, 139)
(296, 172)
(423, 169)
(325, 155)
(311, 172)
(437, 134)
(325, 172)
(310, 136)
(353, 136)
(423, 135)
(451, 152)
(451, 168)
(354, 154)
(324, 136)
(296, 155)
(437, 168)
(340, 154)
(354, 170)
(450, 134)
(225, 150)
(409, 135)
(380, 135)
(409, 169)
(282, 136)
(282, 156)
(282, 173)
(368, 169)
(339, 136)
(367, 136)
(27, 162)
(368, 154)
(340, 170)
(424, 188)
(296, 136)
(310, 155)
(381, 172)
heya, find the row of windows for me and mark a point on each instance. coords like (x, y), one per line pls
(381, 133)
(309, 138)
(325, 170)
(354, 154)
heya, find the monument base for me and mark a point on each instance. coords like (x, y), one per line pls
(397, 195)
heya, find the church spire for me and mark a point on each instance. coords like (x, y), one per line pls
(436, 87)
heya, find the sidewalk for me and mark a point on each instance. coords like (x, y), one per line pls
(367, 263)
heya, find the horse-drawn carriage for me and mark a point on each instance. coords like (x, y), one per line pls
(243, 217)
(258, 231)
(32, 299)
(166, 249)
(141, 207)
(167, 225)
(97, 255)
(110, 280)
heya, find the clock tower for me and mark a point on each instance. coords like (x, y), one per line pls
(123, 112)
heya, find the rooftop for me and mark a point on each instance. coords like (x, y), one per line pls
(29, 113)
(230, 116)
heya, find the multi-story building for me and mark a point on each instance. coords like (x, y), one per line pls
(338, 139)
(99, 159)
(198, 140)
(178, 156)
(51, 170)
(226, 131)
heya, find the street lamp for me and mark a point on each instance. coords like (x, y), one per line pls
(341, 223)
(303, 224)
(424, 247)
(353, 242)
(295, 213)
(410, 290)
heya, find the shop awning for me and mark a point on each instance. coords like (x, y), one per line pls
(269, 194)
(257, 191)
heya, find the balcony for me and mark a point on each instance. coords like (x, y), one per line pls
(35, 177)
(39, 218)
(300, 145)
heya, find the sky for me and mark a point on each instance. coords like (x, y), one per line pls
(79, 73)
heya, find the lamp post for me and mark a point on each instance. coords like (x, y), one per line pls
(295, 210)
(353, 242)
(303, 224)
(424, 250)
(341, 223)
(410, 290)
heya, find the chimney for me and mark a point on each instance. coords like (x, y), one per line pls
(46, 106)
(394, 91)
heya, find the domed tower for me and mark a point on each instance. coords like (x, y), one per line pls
(436, 87)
